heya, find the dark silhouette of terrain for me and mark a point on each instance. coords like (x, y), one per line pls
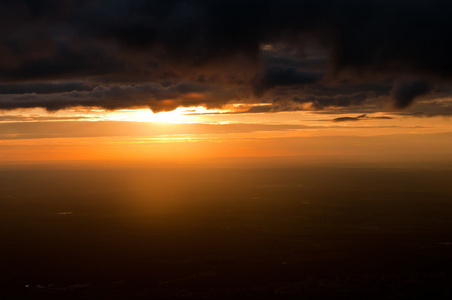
(312, 232)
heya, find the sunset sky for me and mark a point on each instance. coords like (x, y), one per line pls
(207, 81)
(221, 149)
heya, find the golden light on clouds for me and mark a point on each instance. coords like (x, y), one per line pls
(199, 133)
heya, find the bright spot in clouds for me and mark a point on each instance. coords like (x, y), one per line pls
(179, 115)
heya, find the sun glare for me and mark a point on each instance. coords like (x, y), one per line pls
(179, 115)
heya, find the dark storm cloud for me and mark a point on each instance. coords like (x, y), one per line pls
(277, 76)
(249, 48)
(154, 96)
(406, 90)
(428, 108)
(44, 87)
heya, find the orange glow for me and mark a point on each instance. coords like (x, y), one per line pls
(197, 134)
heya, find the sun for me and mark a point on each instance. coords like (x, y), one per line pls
(175, 116)
(179, 115)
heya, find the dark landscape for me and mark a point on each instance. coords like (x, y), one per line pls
(311, 232)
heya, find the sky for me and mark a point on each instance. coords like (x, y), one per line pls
(207, 81)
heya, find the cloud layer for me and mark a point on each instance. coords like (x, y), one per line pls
(161, 54)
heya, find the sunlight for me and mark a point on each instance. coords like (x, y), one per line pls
(179, 115)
